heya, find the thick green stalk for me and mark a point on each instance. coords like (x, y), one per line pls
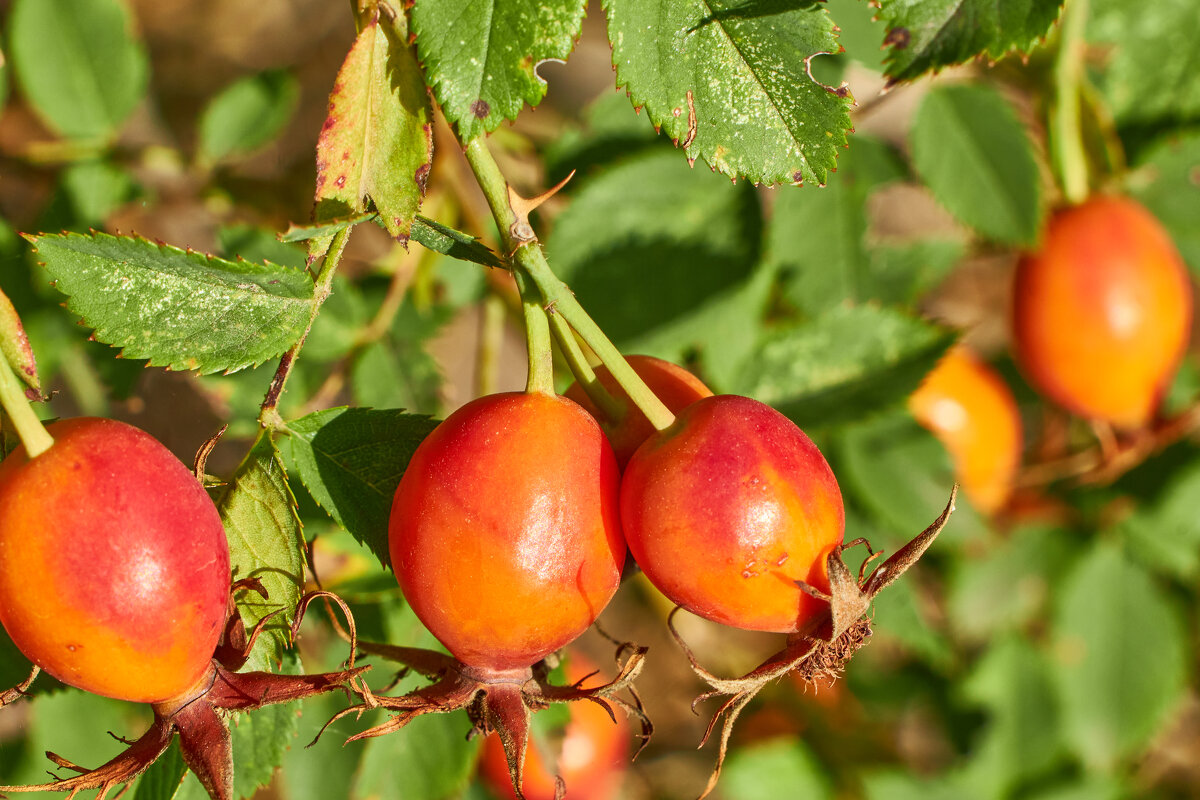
(268, 415)
(1070, 156)
(537, 337)
(609, 406)
(12, 396)
(526, 256)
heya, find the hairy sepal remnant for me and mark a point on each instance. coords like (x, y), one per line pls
(496, 700)
(821, 650)
(204, 738)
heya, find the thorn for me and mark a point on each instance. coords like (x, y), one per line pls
(520, 230)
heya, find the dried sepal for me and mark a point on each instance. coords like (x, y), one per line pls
(822, 649)
(196, 718)
(18, 691)
(500, 702)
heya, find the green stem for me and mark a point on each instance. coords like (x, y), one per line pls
(491, 335)
(1071, 157)
(559, 297)
(12, 396)
(609, 406)
(527, 257)
(537, 337)
(268, 415)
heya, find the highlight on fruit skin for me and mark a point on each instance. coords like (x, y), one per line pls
(114, 569)
(672, 384)
(115, 578)
(505, 539)
(1102, 312)
(970, 409)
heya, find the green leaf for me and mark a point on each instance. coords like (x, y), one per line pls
(73, 723)
(3, 72)
(649, 278)
(728, 81)
(898, 471)
(902, 272)
(976, 157)
(1023, 739)
(1151, 74)
(1087, 787)
(1167, 182)
(339, 327)
(776, 768)
(611, 130)
(164, 778)
(247, 114)
(377, 141)
(78, 63)
(849, 363)
(826, 269)
(250, 243)
(1121, 662)
(323, 230)
(901, 616)
(1008, 586)
(179, 309)
(430, 760)
(450, 242)
(481, 58)
(351, 460)
(926, 35)
(398, 371)
(265, 542)
(95, 189)
(325, 771)
(261, 738)
(1164, 533)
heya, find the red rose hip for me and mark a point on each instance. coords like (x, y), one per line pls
(114, 568)
(504, 531)
(726, 509)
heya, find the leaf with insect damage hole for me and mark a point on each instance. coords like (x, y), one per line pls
(351, 460)
(926, 35)
(730, 83)
(481, 57)
(178, 308)
(377, 142)
(265, 542)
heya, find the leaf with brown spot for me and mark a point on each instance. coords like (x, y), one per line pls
(482, 56)
(730, 82)
(376, 145)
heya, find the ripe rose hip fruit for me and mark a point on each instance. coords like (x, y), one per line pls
(726, 509)
(114, 578)
(504, 530)
(672, 384)
(591, 761)
(1102, 311)
(505, 537)
(970, 409)
(114, 568)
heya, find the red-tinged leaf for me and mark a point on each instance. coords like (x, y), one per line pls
(376, 146)
(15, 344)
